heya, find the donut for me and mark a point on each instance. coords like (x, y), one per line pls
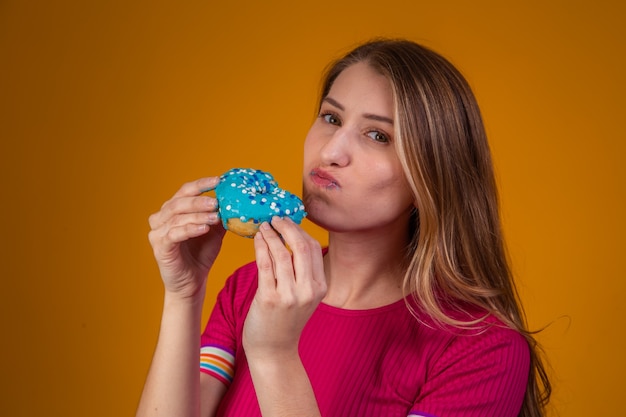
(248, 197)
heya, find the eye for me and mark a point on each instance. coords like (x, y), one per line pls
(378, 136)
(331, 118)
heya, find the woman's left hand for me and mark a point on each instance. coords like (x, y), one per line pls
(291, 285)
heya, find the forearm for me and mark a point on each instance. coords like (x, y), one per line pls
(173, 383)
(283, 387)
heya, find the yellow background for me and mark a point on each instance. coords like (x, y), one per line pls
(106, 107)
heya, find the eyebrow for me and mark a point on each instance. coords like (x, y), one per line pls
(370, 116)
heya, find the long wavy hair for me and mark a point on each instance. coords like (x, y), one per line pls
(457, 254)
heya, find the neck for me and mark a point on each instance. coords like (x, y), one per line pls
(365, 269)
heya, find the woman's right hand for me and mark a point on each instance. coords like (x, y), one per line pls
(186, 237)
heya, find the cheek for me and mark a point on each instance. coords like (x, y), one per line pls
(385, 176)
(310, 149)
(391, 185)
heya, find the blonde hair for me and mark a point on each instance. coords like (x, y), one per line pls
(457, 253)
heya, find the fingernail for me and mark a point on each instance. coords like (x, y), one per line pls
(210, 203)
(215, 181)
(265, 226)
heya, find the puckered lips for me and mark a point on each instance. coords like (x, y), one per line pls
(323, 179)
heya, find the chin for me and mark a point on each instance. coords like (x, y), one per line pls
(327, 219)
(315, 210)
(321, 211)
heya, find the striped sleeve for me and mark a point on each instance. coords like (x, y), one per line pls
(218, 342)
(218, 362)
(221, 340)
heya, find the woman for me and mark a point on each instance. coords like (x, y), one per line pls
(410, 311)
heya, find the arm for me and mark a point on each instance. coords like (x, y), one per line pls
(283, 388)
(291, 285)
(173, 383)
(186, 237)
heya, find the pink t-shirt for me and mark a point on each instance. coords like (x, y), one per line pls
(380, 362)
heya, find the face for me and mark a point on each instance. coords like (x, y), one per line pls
(353, 180)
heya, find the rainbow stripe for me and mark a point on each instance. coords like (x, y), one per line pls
(218, 362)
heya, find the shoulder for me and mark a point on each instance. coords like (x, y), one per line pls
(238, 291)
(488, 341)
(484, 338)
(491, 342)
(242, 277)
(489, 353)
(486, 366)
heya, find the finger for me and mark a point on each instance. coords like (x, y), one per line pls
(307, 254)
(265, 265)
(190, 189)
(182, 205)
(197, 187)
(187, 222)
(281, 258)
(167, 239)
(210, 218)
(195, 204)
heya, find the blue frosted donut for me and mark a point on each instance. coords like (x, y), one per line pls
(248, 197)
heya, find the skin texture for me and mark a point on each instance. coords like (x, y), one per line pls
(352, 142)
(186, 236)
(353, 187)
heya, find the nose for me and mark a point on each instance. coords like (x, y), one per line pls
(337, 150)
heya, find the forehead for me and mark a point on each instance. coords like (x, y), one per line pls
(360, 85)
